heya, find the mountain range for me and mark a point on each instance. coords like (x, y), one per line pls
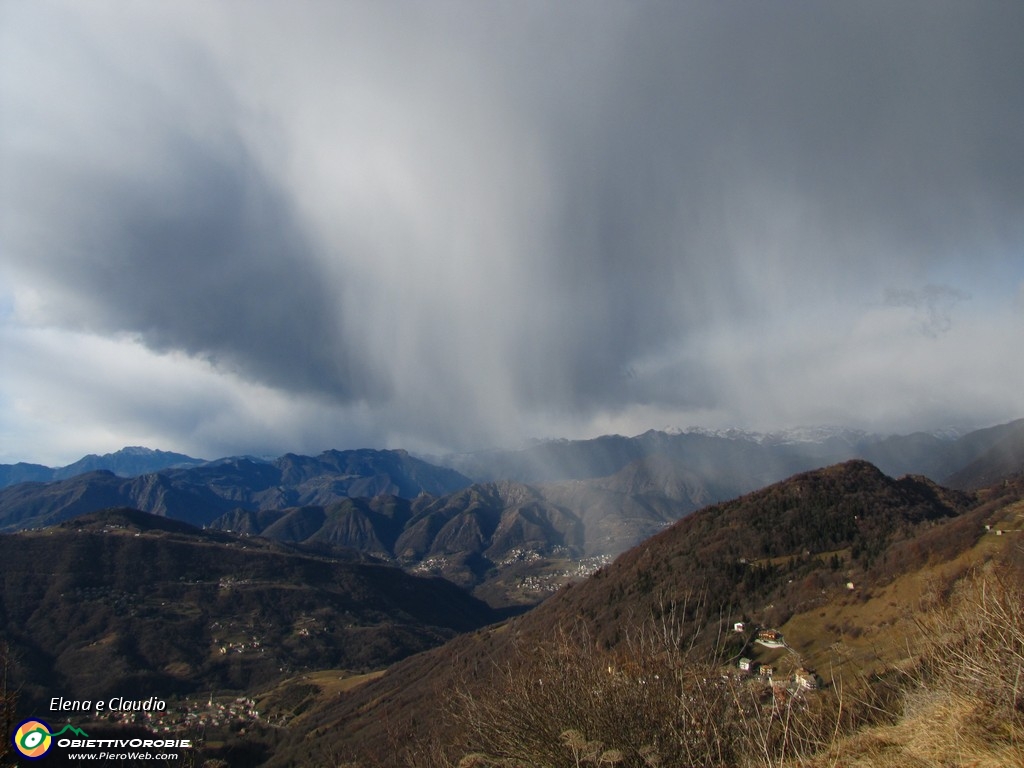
(564, 509)
(935, 454)
(758, 458)
(199, 494)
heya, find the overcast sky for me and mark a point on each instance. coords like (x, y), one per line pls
(258, 227)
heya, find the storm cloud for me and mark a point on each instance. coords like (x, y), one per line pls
(453, 225)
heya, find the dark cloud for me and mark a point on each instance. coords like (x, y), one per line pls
(458, 224)
(180, 238)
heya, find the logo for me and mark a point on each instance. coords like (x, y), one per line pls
(32, 739)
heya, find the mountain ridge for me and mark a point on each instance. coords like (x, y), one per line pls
(126, 462)
(510, 541)
(770, 456)
(201, 493)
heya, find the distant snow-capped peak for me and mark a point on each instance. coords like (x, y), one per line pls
(814, 434)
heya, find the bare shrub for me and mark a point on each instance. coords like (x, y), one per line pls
(785, 726)
(571, 705)
(974, 644)
(660, 703)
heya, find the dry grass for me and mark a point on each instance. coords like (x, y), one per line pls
(963, 700)
(943, 730)
(335, 681)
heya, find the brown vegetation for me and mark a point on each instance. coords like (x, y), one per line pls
(962, 700)
(959, 702)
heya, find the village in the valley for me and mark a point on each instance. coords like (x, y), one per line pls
(217, 713)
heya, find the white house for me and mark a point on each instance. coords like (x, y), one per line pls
(806, 678)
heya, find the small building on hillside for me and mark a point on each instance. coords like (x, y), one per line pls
(806, 678)
(766, 671)
(739, 626)
(748, 665)
(771, 638)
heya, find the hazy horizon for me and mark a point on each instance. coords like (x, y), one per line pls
(251, 229)
(809, 433)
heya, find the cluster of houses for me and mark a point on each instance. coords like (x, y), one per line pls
(432, 566)
(230, 582)
(552, 582)
(244, 642)
(240, 646)
(803, 678)
(240, 711)
(518, 555)
(214, 714)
